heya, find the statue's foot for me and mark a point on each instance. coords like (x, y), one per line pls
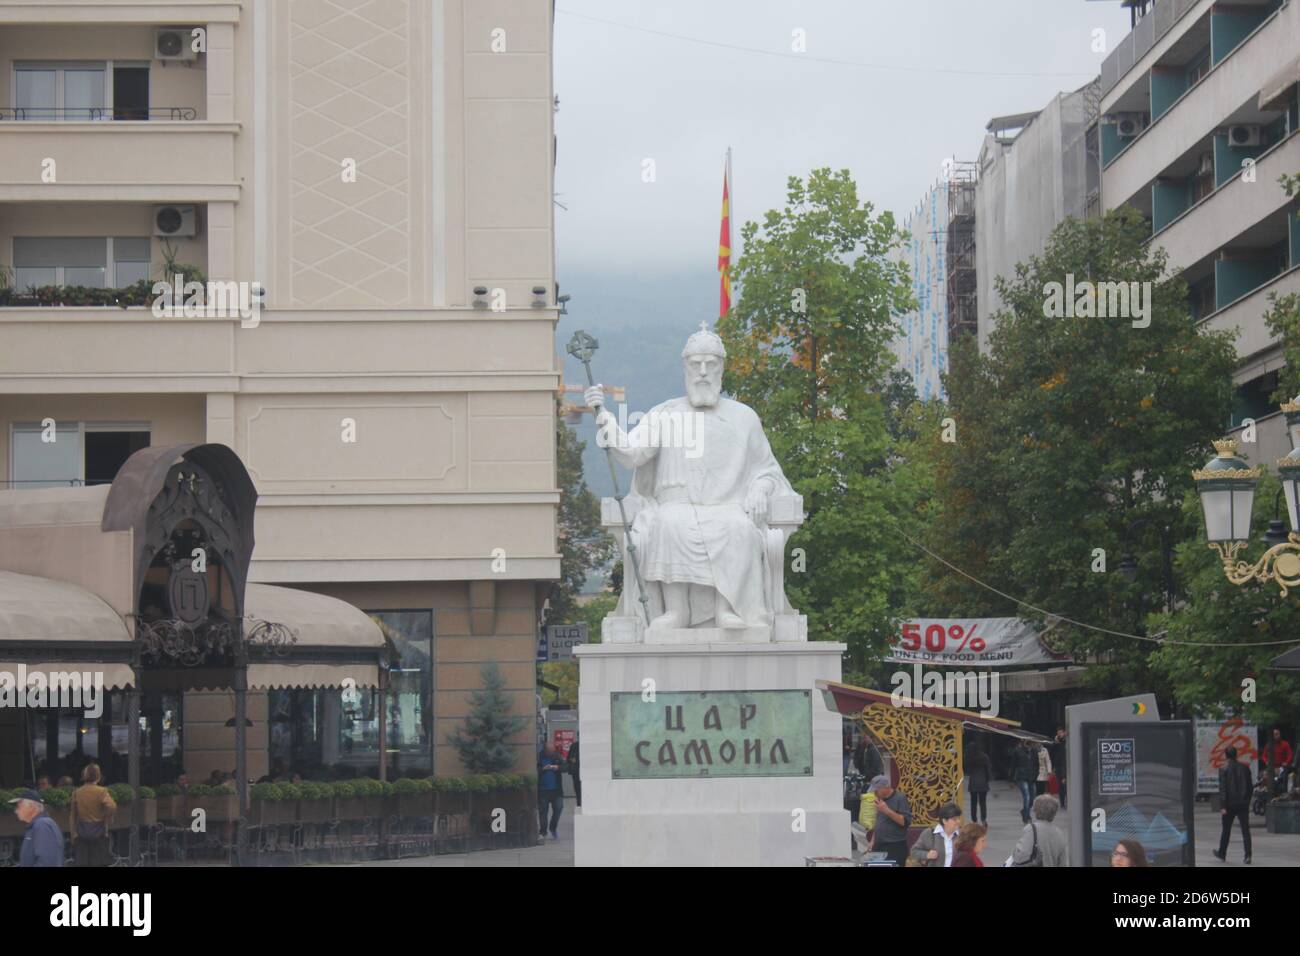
(671, 619)
(730, 621)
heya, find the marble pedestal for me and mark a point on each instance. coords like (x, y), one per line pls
(713, 820)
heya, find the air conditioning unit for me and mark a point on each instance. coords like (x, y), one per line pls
(1206, 166)
(177, 222)
(1244, 135)
(173, 43)
(1127, 126)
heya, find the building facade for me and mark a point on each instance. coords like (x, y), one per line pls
(1035, 170)
(940, 257)
(378, 175)
(1199, 121)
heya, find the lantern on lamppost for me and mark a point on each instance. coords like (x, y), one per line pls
(1227, 489)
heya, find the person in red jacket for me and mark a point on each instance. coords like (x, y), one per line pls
(1277, 756)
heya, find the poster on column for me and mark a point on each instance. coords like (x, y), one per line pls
(1213, 737)
(979, 641)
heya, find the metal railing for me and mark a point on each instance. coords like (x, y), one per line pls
(1144, 35)
(47, 114)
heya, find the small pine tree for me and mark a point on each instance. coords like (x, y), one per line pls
(482, 741)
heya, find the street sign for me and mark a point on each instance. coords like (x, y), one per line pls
(559, 640)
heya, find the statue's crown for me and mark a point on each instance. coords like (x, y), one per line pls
(704, 342)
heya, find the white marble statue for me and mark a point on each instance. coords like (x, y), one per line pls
(703, 478)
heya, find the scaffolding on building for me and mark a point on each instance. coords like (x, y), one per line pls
(960, 254)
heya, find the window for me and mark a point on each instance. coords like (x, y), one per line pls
(97, 262)
(71, 453)
(410, 683)
(60, 91)
(81, 91)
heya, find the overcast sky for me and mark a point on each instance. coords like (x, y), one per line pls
(662, 80)
(631, 92)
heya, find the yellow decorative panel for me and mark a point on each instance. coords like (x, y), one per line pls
(928, 752)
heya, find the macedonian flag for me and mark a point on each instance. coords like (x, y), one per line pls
(724, 243)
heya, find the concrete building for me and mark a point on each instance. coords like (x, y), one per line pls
(1035, 170)
(1199, 120)
(384, 171)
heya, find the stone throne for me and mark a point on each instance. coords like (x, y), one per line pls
(627, 623)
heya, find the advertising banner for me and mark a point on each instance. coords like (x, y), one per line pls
(978, 642)
(1213, 737)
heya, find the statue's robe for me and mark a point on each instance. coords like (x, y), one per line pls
(692, 527)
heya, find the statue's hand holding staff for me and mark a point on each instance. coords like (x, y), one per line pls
(594, 396)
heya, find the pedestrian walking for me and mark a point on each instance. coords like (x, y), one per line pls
(1042, 843)
(43, 842)
(1128, 852)
(1044, 771)
(979, 770)
(935, 847)
(550, 798)
(893, 817)
(1235, 789)
(971, 841)
(575, 772)
(1060, 753)
(1024, 771)
(89, 818)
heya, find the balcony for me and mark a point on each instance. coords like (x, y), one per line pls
(121, 160)
(1227, 94)
(1233, 210)
(1245, 315)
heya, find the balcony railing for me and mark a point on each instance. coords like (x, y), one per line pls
(1158, 21)
(43, 114)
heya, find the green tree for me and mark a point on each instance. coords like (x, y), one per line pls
(807, 348)
(1072, 431)
(584, 546)
(483, 740)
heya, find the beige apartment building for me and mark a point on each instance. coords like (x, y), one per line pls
(383, 170)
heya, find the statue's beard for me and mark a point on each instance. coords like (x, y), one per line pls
(703, 394)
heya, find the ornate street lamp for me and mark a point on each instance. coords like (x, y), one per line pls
(1227, 489)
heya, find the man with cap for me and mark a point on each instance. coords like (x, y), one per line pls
(43, 842)
(893, 817)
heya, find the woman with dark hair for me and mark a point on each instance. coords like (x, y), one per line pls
(1128, 852)
(970, 843)
(979, 770)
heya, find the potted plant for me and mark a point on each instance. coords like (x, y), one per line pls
(348, 804)
(57, 803)
(10, 825)
(218, 803)
(372, 794)
(414, 798)
(171, 802)
(148, 806)
(317, 802)
(264, 806)
(1282, 814)
(123, 796)
(6, 284)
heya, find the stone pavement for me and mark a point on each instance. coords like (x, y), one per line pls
(1269, 849)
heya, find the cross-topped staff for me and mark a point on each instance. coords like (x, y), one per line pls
(582, 347)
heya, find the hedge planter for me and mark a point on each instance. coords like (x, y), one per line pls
(350, 808)
(171, 808)
(454, 802)
(413, 805)
(218, 807)
(11, 826)
(374, 806)
(270, 813)
(1283, 816)
(316, 811)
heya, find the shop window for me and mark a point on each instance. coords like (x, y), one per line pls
(410, 685)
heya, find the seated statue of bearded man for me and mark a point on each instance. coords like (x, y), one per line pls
(704, 472)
